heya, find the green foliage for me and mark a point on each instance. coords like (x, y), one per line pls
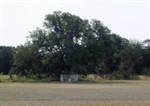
(146, 71)
(15, 78)
(101, 69)
(127, 62)
(6, 78)
(68, 44)
(6, 55)
(24, 60)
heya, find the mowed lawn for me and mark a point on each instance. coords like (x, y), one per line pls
(104, 93)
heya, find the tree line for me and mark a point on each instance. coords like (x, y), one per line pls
(68, 44)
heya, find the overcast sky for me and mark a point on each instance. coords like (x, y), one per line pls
(127, 18)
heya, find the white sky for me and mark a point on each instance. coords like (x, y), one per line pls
(127, 18)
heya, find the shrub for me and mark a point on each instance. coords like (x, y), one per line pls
(146, 71)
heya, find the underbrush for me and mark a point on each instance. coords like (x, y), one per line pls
(89, 79)
(143, 77)
(14, 78)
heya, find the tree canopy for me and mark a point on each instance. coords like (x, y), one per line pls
(68, 44)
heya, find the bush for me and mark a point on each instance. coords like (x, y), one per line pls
(116, 76)
(121, 75)
(146, 71)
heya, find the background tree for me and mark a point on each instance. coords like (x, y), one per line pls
(68, 44)
(146, 57)
(25, 60)
(6, 55)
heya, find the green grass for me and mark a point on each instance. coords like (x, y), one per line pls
(89, 79)
(35, 80)
(6, 78)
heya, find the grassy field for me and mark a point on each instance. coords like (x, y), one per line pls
(103, 93)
